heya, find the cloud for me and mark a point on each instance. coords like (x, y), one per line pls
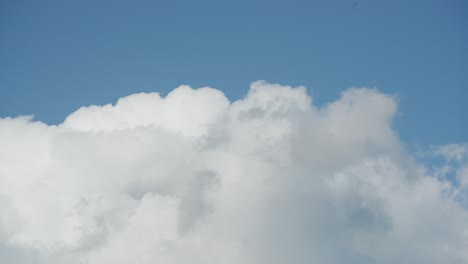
(194, 178)
(454, 168)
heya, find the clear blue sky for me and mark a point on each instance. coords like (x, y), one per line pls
(56, 56)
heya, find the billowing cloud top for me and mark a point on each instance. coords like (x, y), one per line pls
(193, 178)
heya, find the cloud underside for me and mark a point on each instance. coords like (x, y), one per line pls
(194, 178)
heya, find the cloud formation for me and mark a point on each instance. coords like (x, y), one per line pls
(194, 178)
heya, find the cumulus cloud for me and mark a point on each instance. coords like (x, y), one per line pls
(193, 178)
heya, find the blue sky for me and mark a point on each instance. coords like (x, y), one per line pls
(56, 56)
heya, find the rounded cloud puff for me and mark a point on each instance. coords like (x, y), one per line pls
(194, 178)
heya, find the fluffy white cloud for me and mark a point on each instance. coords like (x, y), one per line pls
(193, 178)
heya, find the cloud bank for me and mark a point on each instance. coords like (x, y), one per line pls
(194, 178)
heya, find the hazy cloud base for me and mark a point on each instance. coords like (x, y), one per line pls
(193, 178)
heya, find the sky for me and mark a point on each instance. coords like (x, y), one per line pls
(56, 56)
(215, 132)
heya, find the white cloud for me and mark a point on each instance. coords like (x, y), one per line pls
(457, 152)
(193, 178)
